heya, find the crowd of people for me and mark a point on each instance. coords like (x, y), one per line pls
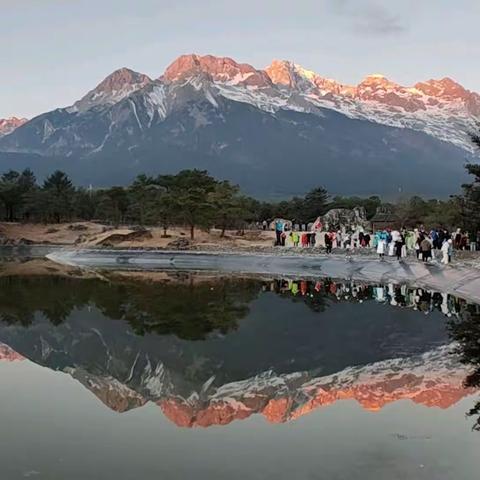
(399, 243)
(426, 245)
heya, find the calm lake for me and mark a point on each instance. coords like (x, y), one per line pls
(133, 376)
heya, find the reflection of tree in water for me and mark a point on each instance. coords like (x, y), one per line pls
(465, 330)
(188, 310)
(191, 306)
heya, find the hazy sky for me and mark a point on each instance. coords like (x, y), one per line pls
(54, 51)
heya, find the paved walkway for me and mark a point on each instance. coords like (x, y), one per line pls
(461, 281)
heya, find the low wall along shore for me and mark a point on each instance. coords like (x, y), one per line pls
(462, 281)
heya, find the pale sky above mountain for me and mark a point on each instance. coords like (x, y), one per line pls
(54, 51)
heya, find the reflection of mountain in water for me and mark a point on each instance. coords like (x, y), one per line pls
(466, 332)
(255, 351)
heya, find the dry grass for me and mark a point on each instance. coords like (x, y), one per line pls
(90, 234)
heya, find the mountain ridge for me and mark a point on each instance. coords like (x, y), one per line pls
(200, 114)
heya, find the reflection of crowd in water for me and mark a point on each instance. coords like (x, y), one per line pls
(416, 298)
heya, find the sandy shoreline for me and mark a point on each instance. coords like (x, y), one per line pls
(84, 245)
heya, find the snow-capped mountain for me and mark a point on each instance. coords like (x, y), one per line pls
(242, 123)
(8, 125)
(441, 108)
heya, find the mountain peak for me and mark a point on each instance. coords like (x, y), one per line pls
(220, 69)
(377, 79)
(8, 125)
(121, 77)
(446, 89)
(113, 88)
(282, 72)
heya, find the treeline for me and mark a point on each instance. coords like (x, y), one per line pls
(194, 199)
(191, 198)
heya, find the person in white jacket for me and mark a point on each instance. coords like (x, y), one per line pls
(447, 252)
(381, 247)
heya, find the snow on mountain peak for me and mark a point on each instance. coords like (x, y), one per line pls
(288, 74)
(220, 69)
(112, 89)
(8, 125)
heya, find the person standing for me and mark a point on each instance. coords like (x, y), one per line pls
(337, 239)
(458, 239)
(295, 238)
(399, 242)
(381, 246)
(419, 236)
(328, 242)
(426, 247)
(446, 252)
(278, 232)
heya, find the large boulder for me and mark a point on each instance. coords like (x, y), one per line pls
(345, 219)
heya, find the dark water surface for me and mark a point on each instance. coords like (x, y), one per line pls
(142, 376)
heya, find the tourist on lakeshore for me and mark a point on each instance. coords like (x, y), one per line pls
(441, 238)
(295, 238)
(381, 247)
(399, 244)
(389, 250)
(418, 236)
(278, 232)
(304, 240)
(409, 241)
(426, 248)
(328, 242)
(336, 239)
(457, 239)
(366, 240)
(447, 251)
